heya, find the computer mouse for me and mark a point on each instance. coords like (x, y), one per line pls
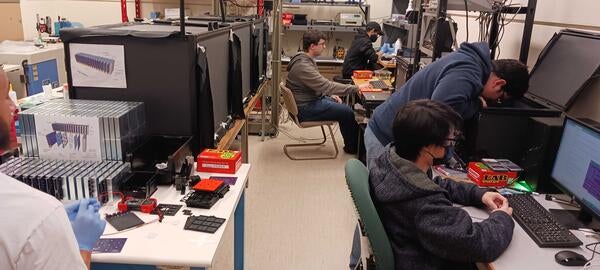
(570, 258)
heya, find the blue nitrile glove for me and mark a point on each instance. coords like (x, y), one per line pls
(384, 48)
(391, 49)
(87, 225)
(73, 207)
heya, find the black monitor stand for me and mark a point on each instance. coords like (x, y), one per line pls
(575, 219)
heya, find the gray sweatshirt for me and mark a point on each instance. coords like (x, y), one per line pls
(426, 230)
(308, 85)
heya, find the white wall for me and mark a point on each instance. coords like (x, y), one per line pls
(89, 13)
(95, 12)
(10, 21)
(380, 9)
(551, 16)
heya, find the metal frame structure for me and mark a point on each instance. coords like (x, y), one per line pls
(442, 14)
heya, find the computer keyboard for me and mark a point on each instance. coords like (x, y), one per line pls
(539, 224)
(379, 84)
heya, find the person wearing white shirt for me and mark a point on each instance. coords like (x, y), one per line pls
(37, 231)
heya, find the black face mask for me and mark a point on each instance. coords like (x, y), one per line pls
(448, 154)
(373, 37)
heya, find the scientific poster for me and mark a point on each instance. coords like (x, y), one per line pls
(68, 137)
(94, 65)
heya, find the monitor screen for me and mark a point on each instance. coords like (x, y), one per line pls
(565, 68)
(577, 165)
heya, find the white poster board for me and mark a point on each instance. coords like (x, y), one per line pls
(94, 65)
(68, 137)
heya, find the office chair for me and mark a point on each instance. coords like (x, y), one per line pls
(357, 179)
(292, 108)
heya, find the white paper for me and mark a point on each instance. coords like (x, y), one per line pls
(70, 143)
(94, 65)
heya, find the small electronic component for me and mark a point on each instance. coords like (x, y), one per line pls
(135, 204)
(494, 165)
(201, 200)
(208, 224)
(510, 165)
(123, 220)
(208, 185)
(166, 209)
(109, 245)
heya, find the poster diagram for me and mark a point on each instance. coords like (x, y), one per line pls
(62, 132)
(96, 65)
(68, 138)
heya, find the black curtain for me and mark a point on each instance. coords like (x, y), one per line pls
(205, 103)
(234, 91)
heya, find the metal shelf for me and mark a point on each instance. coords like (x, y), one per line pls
(323, 28)
(400, 25)
(341, 4)
(426, 51)
(286, 59)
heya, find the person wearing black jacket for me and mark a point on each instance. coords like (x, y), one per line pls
(361, 54)
(425, 229)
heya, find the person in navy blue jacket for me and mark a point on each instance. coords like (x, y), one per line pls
(466, 80)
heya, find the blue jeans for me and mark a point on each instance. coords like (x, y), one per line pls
(374, 149)
(326, 109)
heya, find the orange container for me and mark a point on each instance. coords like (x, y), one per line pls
(219, 161)
(483, 176)
(362, 74)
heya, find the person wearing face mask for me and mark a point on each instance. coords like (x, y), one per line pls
(425, 229)
(467, 80)
(362, 55)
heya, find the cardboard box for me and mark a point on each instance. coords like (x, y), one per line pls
(362, 74)
(219, 161)
(483, 176)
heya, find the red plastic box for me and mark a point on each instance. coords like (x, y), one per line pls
(362, 74)
(483, 176)
(219, 161)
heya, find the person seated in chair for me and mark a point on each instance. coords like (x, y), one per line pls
(361, 54)
(316, 96)
(425, 229)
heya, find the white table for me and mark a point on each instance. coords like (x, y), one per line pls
(523, 252)
(167, 243)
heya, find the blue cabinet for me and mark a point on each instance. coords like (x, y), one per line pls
(39, 74)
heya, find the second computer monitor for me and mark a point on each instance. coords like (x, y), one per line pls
(577, 165)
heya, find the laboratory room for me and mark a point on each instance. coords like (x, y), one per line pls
(299, 134)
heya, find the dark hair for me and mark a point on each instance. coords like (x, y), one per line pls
(421, 123)
(311, 37)
(514, 73)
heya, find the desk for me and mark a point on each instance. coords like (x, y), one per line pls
(523, 252)
(363, 81)
(167, 243)
(387, 64)
(241, 125)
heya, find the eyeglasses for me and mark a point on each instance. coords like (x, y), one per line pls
(451, 141)
(503, 97)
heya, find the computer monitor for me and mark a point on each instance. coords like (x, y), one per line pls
(576, 169)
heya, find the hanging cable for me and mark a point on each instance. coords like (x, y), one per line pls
(467, 19)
